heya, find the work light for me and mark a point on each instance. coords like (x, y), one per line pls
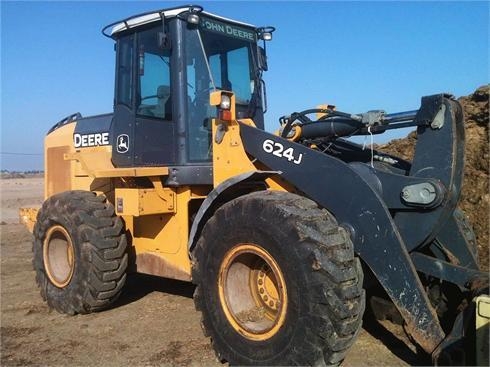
(225, 103)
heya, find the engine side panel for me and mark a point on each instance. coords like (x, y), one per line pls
(59, 172)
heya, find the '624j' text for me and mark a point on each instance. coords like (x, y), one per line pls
(278, 150)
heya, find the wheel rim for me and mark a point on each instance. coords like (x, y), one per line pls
(252, 292)
(58, 255)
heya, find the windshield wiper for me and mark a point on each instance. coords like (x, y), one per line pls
(206, 59)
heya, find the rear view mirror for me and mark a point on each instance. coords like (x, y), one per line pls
(163, 41)
(262, 59)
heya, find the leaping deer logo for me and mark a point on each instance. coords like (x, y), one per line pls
(122, 143)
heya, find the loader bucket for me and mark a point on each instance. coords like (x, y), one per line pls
(27, 217)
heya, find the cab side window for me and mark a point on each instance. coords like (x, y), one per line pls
(124, 81)
(154, 77)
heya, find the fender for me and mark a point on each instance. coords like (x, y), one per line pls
(224, 192)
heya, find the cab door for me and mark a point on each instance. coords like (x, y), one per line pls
(155, 127)
(143, 127)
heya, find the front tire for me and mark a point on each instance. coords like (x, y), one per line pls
(79, 251)
(277, 282)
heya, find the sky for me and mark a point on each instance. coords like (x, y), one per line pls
(358, 56)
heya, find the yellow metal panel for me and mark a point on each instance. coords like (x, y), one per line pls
(92, 159)
(68, 169)
(168, 266)
(482, 330)
(138, 202)
(81, 183)
(132, 172)
(58, 172)
(151, 171)
(160, 240)
(96, 162)
(229, 156)
(215, 98)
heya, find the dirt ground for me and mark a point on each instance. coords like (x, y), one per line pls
(153, 323)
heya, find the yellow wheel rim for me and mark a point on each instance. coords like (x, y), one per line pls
(58, 256)
(252, 292)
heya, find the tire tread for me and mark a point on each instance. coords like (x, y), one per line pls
(99, 235)
(338, 300)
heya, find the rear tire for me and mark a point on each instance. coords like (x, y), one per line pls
(80, 254)
(277, 282)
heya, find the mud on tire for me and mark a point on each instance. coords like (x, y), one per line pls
(315, 282)
(79, 251)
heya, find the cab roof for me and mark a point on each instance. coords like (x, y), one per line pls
(138, 20)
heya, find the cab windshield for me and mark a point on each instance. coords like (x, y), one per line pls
(229, 50)
(219, 56)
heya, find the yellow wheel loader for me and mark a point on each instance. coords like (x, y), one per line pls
(287, 236)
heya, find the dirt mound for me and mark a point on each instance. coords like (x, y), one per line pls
(475, 197)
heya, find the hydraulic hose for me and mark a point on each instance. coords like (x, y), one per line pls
(331, 127)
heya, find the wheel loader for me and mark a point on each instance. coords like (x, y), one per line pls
(288, 236)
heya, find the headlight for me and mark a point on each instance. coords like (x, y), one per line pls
(225, 103)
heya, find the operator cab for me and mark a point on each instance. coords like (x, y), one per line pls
(167, 63)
